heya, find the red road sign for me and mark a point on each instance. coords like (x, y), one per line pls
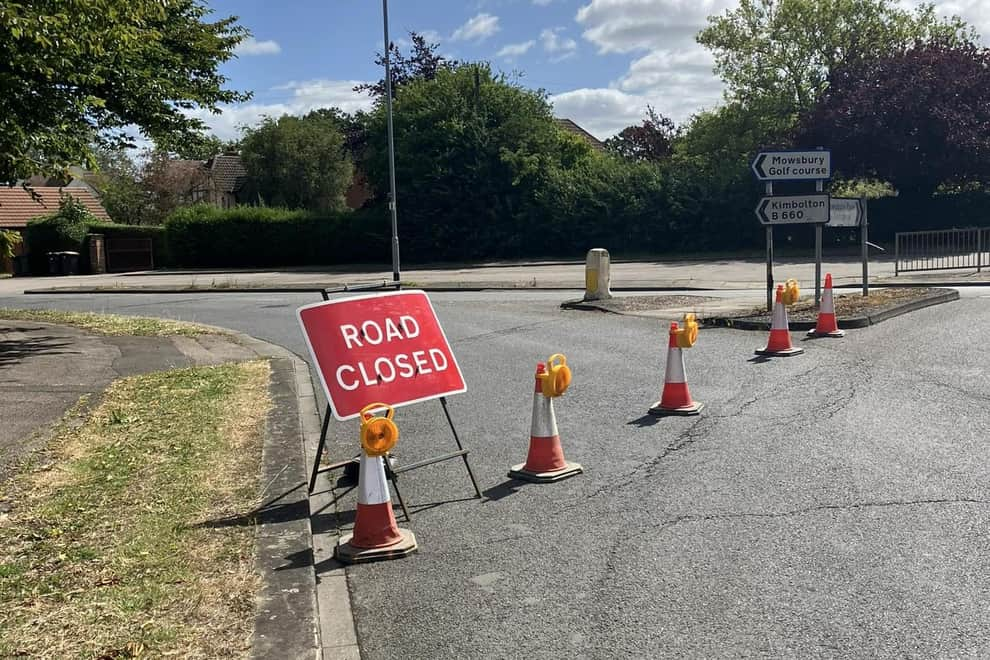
(386, 347)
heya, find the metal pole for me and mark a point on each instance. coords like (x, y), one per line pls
(769, 257)
(863, 233)
(391, 150)
(819, 187)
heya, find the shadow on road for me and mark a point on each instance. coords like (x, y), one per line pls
(644, 421)
(13, 351)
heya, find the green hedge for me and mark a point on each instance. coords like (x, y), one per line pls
(248, 236)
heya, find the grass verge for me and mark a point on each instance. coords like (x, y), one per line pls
(113, 547)
(848, 305)
(110, 324)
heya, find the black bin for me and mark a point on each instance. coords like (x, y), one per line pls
(54, 263)
(69, 263)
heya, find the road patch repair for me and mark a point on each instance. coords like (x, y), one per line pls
(852, 310)
(134, 527)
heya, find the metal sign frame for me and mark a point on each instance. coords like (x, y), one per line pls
(391, 472)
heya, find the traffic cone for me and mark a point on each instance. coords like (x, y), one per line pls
(376, 535)
(779, 344)
(545, 461)
(675, 398)
(827, 326)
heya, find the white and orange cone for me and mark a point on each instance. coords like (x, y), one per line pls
(675, 399)
(545, 461)
(827, 326)
(376, 535)
(779, 344)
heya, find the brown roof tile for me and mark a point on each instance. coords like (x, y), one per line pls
(17, 205)
(569, 126)
(227, 171)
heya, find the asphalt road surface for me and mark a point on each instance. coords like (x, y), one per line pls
(832, 504)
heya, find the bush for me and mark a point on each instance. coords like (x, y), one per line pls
(245, 236)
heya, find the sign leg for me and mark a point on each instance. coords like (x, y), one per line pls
(474, 482)
(319, 448)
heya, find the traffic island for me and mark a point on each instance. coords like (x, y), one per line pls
(852, 310)
(636, 304)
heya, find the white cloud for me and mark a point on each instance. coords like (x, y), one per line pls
(252, 46)
(515, 50)
(478, 28)
(305, 96)
(431, 36)
(623, 26)
(974, 12)
(601, 112)
(553, 43)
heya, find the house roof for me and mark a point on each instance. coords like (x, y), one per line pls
(227, 171)
(17, 205)
(569, 126)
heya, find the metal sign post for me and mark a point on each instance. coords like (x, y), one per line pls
(863, 235)
(818, 251)
(769, 257)
(815, 165)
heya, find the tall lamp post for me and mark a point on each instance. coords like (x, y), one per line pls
(391, 151)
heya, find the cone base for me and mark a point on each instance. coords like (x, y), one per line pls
(569, 470)
(348, 554)
(834, 333)
(659, 411)
(785, 353)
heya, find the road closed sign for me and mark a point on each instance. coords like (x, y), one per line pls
(387, 348)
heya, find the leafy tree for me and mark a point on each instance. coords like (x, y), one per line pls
(422, 63)
(917, 119)
(204, 146)
(8, 241)
(784, 49)
(81, 72)
(117, 179)
(651, 141)
(298, 162)
(167, 184)
(471, 151)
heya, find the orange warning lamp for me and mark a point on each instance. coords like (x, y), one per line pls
(686, 336)
(791, 292)
(378, 434)
(557, 378)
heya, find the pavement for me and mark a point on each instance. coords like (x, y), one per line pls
(706, 274)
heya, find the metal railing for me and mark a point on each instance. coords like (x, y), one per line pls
(945, 249)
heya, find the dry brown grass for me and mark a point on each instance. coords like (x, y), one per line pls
(110, 324)
(121, 549)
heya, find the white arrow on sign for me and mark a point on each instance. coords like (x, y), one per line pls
(845, 212)
(793, 165)
(793, 210)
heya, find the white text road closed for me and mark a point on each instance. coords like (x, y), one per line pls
(793, 210)
(384, 348)
(793, 165)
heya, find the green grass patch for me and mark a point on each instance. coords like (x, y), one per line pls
(110, 324)
(109, 549)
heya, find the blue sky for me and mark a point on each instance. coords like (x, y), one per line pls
(601, 61)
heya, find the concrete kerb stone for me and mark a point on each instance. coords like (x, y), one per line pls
(334, 635)
(845, 323)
